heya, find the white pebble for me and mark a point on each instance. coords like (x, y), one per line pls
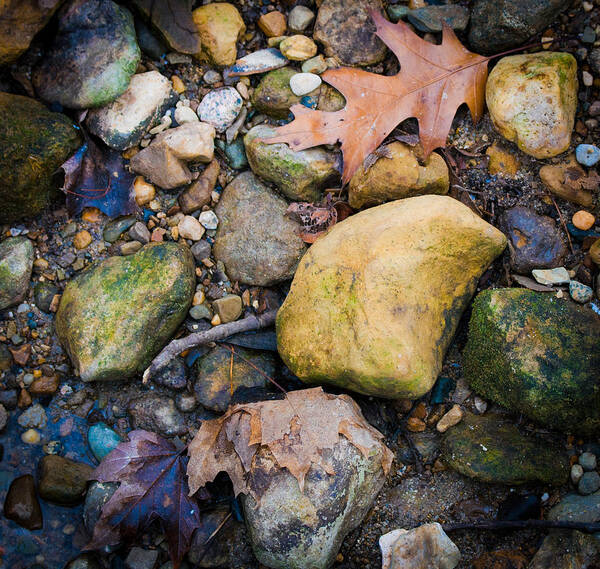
(208, 219)
(304, 83)
(184, 114)
(588, 80)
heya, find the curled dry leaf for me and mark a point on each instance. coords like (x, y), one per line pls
(317, 219)
(153, 487)
(433, 81)
(296, 430)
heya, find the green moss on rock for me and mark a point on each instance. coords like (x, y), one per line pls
(273, 95)
(489, 449)
(35, 142)
(116, 316)
(537, 355)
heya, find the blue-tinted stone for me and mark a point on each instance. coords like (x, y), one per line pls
(102, 439)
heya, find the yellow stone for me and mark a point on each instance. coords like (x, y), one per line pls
(82, 239)
(502, 161)
(144, 192)
(375, 302)
(298, 48)
(91, 215)
(178, 85)
(220, 26)
(31, 437)
(272, 24)
(397, 174)
(532, 101)
(583, 220)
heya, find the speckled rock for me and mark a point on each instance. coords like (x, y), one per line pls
(35, 143)
(491, 449)
(16, 263)
(115, 317)
(220, 26)
(220, 107)
(214, 385)
(291, 529)
(157, 413)
(255, 240)
(123, 123)
(346, 31)
(273, 95)
(63, 481)
(566, 549)
(20, 21)
(498, 25)
(93, 56)
(397, 174)
(534, 241)
(300, 176)
(351, 316)
(97, 495)
(532, 100)
(535, 354)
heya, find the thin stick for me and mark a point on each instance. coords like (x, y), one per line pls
(524, 524)
(220, 332)
(563, 223)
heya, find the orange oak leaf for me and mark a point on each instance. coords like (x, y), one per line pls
(433, 81)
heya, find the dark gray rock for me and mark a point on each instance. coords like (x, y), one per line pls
(534, 241)
(16, 263)
(157, 413)
(139, 558)
(21, 504)
(173, 375)
(85, 561)
(97, 495)
(498, 25)
(63, 481)
(589, 483)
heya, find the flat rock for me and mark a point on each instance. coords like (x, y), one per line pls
(532, 100)
(534, 241)
(35, 143)
(535, 354)
(577, 508)
(93, 56)
(123, 123)
(255, 240)
(117, 315)
(351, 316)
(300, 176)
(396, 174)
(499, 25)
(16, 264)
(490, 449)
(259, 61)
(346, 31)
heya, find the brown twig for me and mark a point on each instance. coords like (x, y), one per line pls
(563, 223)
(220, 332)
(524, 524)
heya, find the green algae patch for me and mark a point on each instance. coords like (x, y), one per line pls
(538, 355)
(489, 449)
(35, 142)
(117, 315)
(273, 95)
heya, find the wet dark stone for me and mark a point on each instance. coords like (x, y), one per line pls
(98, 494)
(21, 504)
(63, 481)
(85, 561)
(44, 292)
(173, 375)
(534, 241)
(517, 507)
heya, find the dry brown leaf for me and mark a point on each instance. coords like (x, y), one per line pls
(315, 219)
(295, 430)
(434, 80)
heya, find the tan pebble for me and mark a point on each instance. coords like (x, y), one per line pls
(583, 220)
(272, 24)
(174, 233)
(415, 425)
(420, 411)
(242, 89)
(190, 228)
(82, 239)
(298, 48)
(154, 205)
(40, 265)
(198, 297)
(91, 215)
(158, 235)
(451, 418)
(24, 399)
(130, 247)
(144, 192)
(595, 252)
(216, 320)
(130, 153)
(178, 85)
(31, 437)
(502, 161)
(229, 308)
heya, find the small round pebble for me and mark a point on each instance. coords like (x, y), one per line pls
(587, 154)
(82, 239)
(208, 219)
(298, 48)
(303, 83)
(178, 85)
(184, 114)
(190, 228)
(583, 220)
(211, 77)
(579, 292)
(587, 460)
(220, 107)
(300, 18)
(144, 192)
(589, 483)
(30, 437)
(576, 473)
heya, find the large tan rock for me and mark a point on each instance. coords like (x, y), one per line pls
(532, 100)
(220, 26)
(397, 174)
(375, 303)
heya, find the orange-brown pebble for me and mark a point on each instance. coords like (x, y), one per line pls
(415, 425)
(82, 239)
(91, 215)
(595, 252)
(583, 220)
(272, 24)
(420, 411)
(144, 192)
(178, 85)
(43, 386)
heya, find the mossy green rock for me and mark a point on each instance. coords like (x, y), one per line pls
(116, 316)
(532, 100)
(538, 355)
(300, 176)
(492, 450)
(16, 263)
(375, 303)
(273, 95)
(217, 380)
(92, 58)
(35, 142)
